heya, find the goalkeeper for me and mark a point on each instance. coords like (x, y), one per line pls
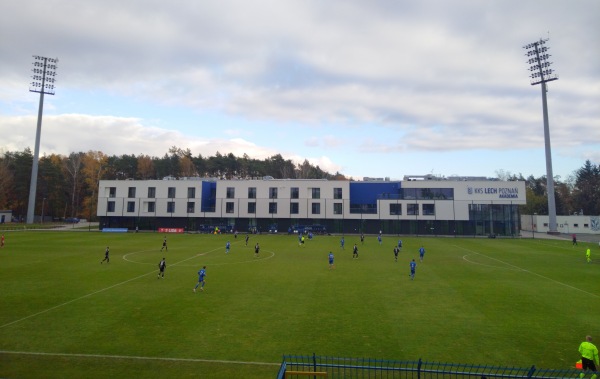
(589, 357)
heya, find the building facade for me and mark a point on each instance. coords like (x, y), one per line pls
(5, 216)
(424, 206)
(569, 224)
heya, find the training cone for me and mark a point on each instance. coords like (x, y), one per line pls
(579, 365)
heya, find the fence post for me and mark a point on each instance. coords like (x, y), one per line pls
(419, 369)
(531, 371)
(315, 364)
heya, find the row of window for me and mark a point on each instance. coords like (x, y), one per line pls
(395, 209)
(412, 209)
(230, 194)
(406, 193)
(171, 192)
(229, 207)
(294, 193)
(420, 194)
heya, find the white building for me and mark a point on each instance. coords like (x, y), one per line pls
(574, 224)
(5, 216)
(429, 206)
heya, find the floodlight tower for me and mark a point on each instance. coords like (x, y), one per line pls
(541, 73)
(44, 71)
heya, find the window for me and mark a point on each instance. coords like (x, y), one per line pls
(412, 209)
(251, 208)
(110, 206)
(131, 192)
(428, 193)
(171, 192)
(337, 193)
(338, 209)
(294, 193)
(428, 209)
(191, 192)
(316, 208)
(294, 208)
(151, 206)
(229, 207)
(251, 192)
(112, 192)
(171, 207)
(230, 192)
(363, 208)
(395, 209)
(191, 206)
(151, 192)
(316, 193)
(131, 206)
(272, 208)
(273, 193)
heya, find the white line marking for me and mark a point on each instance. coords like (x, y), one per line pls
(74, 300)
(492, 266)
(96, 292)
(531, 272)
(240, 262)
(137, 252)
(139, 358)
(126, 258)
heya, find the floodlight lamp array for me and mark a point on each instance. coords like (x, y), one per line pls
(538, 61)
(44, 73)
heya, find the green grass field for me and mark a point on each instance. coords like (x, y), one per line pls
(507, 302)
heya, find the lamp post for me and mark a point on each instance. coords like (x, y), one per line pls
(541, 73)
(44, 71)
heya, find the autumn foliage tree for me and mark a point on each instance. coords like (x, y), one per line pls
(68, 185)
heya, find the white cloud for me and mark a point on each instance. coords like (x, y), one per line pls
(114, 136)
(342, 78)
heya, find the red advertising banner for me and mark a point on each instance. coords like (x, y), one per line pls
(170, 230)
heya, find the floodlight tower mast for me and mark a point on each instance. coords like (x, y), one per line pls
(541, 73)
(44, 71)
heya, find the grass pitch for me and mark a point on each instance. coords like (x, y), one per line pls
(505, 302)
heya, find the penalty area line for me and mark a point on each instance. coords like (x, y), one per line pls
(139, 358)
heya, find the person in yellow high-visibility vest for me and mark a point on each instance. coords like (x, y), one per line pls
(589, 357)
(588, 255)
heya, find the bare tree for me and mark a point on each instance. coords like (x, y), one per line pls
(72, 166)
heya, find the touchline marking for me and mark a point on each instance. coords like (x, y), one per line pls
(138, 358)
(91, 294)
(531, 272)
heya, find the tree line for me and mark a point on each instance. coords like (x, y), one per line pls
(579, 194)
(67, 185)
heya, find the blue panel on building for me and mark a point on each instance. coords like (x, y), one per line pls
(369, 192)
(209, 196)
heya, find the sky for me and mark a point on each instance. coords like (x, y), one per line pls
(381, 88)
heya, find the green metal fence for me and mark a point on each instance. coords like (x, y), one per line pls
(314, 366)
